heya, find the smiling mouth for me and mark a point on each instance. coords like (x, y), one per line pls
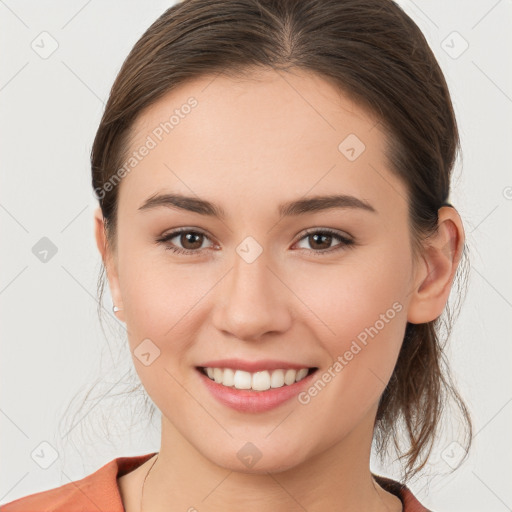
(256, 381)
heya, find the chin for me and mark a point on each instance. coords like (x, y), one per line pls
(260, 463)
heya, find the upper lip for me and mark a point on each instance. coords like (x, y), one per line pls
(253, 366)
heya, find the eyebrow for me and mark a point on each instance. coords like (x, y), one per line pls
(289, 209)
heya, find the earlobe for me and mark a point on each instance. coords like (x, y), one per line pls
(436, 270)
(108, 262)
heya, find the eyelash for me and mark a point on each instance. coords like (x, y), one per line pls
(345, 242)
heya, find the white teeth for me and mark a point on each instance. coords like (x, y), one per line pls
(228, 378)
(258, 381)
(289, 376)
(242, 380)
(277, 379)
(301, 374)
(217, 375)
(261, 381)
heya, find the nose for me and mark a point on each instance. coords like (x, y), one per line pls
(252, 301)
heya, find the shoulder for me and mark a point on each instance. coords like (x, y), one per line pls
(97, 491)
(409, 501)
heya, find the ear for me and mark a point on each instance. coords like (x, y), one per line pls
(436, 268)
(109, 261)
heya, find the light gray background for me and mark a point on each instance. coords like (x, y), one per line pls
(52, 346)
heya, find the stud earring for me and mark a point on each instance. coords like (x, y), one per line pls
(115, 309)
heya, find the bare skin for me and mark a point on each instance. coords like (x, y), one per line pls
(248, 146)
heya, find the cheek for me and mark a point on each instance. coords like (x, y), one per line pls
(361, 315)
(155, 294)
(350, 296)
(162, 321)
(158, 304)
(163, 301)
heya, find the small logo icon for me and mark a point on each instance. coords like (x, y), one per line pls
(351, 147)
(44, 455)
(146, 352)
(454, 45)
(44, 45)
(507, 192)
(453, 454)
(44, 250)
(249, 454)
(249, 249)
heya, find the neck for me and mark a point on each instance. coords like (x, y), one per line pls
(337, 478)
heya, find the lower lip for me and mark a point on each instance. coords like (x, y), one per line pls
(254, 401)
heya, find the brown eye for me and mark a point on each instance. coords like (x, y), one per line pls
(320, 241)
(186, 241)
(191, 240)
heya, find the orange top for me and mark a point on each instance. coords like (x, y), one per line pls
(99, 492)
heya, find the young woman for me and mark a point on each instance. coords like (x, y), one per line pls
(273, 180)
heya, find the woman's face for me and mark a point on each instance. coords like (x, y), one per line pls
(262, 283)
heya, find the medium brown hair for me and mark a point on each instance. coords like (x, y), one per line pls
(374, 53)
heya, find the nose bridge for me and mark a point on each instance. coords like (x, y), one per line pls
(252, 300)
(251, 276)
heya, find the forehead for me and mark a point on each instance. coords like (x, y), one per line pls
(252, 108)
(270, 133)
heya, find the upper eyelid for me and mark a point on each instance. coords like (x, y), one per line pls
(307, 232)
(337, 232)
(179, 231)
